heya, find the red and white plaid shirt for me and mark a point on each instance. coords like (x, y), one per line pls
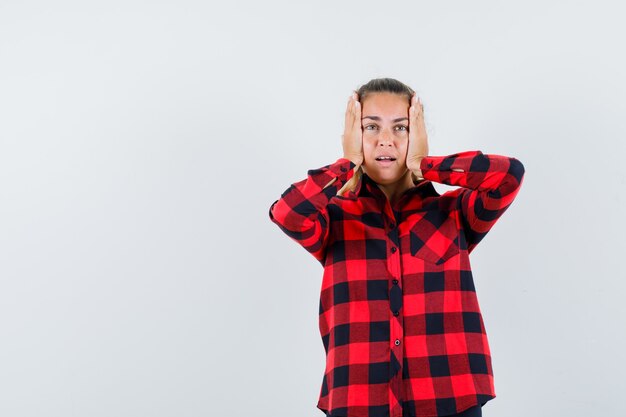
(398, 313)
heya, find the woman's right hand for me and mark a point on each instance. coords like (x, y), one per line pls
(352, 137)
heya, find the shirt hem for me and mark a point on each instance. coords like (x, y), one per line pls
(459, 411)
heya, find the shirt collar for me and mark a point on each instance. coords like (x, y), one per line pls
(368, 187)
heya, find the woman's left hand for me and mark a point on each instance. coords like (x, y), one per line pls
(418, 138)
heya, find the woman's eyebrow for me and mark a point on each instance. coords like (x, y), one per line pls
(378, 118)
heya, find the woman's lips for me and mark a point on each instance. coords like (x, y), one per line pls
(385, 162)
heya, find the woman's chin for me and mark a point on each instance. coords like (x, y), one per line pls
(385, 176)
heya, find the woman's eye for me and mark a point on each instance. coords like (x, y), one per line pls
(400, 127)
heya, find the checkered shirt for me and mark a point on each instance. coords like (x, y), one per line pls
(399, 316)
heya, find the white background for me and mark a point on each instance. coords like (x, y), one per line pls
(142, 144)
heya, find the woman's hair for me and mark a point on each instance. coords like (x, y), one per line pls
(377, 85)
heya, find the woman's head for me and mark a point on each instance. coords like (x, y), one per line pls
(385, 85)
(385, 106)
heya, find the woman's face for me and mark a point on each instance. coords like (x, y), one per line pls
(385, 123)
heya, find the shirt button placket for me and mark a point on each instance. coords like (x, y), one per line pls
(396, 330)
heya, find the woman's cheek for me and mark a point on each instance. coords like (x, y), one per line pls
(368, 134)
(368, 141)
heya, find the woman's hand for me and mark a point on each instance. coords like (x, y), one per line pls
(418, 139)
(352, 137)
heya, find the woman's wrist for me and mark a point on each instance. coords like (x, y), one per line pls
(356, 161)
(416, 170)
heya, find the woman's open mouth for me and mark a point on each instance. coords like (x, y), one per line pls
(385, 160)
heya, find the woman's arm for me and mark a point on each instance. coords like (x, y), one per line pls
(301, 212)
(491, 184)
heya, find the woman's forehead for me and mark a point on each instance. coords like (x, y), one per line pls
(388, 107)
(385, 102)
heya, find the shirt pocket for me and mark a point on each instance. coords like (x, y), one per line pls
(434, 236)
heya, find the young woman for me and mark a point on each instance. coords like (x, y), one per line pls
(399, 315)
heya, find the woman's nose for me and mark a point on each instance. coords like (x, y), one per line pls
(385, 139)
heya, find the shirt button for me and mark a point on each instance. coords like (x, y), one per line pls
(395, 313)
(343, 169)
(430, 165)
(397, 342)
(392, 225)
(395, 281)
(394, 249)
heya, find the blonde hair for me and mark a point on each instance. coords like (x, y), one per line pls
(351, 184)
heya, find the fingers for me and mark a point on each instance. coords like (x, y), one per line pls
(357, 111)
(353, 112)
(352, 137)
(417, 108)
(349, 111)
(417, 127)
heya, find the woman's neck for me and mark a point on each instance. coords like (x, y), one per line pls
(395, 190)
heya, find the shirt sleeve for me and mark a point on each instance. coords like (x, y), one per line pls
(491, 183)
(301, 211)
